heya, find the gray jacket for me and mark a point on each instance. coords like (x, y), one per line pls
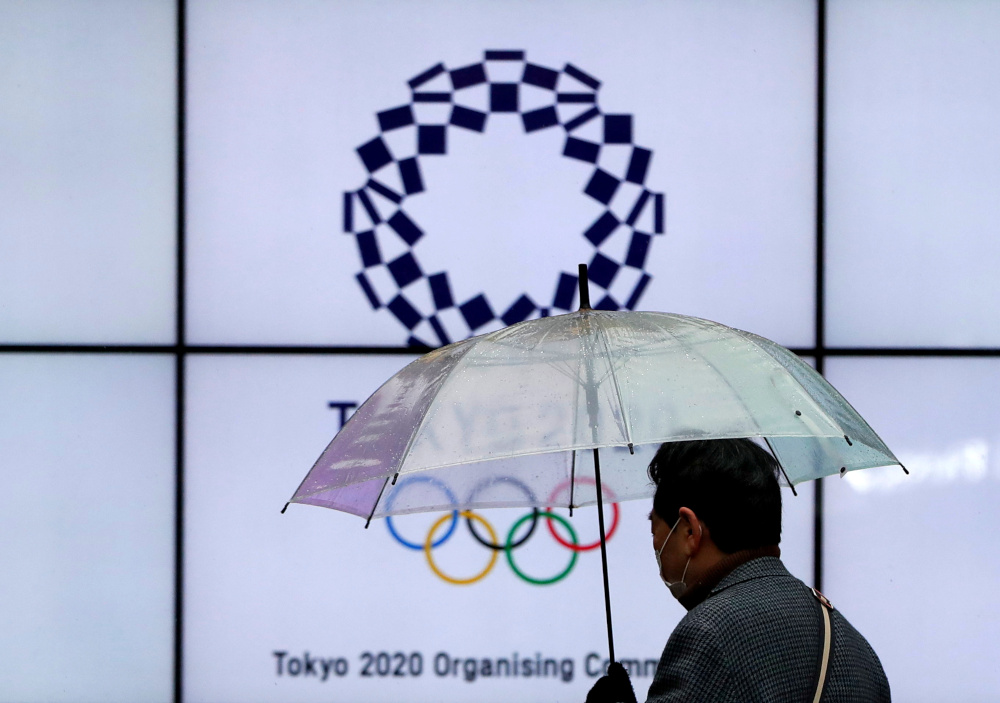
(758, 637)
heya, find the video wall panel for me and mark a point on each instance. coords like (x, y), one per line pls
(309, 605)
(912, 560)
(460, 156)
(797, 525)
(87, 188)
(87, 518)
(912, 149)
(389, 172)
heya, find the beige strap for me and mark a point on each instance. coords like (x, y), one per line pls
(825, 607)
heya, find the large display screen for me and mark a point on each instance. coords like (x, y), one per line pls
(309, 605)
(911, 174)
(87, 191)
(356, 178)
(887, 531)
(461, 159)
(87, 518)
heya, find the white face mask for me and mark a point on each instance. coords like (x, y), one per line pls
(677, 588)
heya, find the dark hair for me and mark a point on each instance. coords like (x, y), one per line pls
(731, 484)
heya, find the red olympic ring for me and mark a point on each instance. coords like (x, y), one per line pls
(614, 518)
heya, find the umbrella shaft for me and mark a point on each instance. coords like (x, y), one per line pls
(604, 552)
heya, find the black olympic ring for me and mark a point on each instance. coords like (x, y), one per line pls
(528, 493)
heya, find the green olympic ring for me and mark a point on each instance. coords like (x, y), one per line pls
(509, 552)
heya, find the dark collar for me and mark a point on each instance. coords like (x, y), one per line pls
(714, 577)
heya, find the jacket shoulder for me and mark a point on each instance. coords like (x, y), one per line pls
(769, 628)
(694, 666)
(856, 673)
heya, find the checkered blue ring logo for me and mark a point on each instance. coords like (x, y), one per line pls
(632, 214)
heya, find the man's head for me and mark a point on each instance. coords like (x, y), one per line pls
(730, 484)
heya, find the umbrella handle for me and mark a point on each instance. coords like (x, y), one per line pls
(585, 305)
(604, 552)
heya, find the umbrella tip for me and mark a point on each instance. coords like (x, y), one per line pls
(631, 448)
(584, 287)
(905, 471)
(849, 442)
(285, 508)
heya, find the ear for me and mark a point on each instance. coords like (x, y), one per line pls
(694, 531)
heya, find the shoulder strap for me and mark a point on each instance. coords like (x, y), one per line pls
(825, 607)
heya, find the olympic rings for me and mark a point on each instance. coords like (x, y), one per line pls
(493, 544)
(428, 546)
(528, 494)
(562, 574)
(614, 516)
(434, 482)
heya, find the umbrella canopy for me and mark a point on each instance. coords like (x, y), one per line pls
(506, 418)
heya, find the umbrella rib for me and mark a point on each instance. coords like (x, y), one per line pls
(306, 477)
(714, 368)
(736, 392)
(572, 480)
(750, 339)
(572, 466)
(760, 350)
(545, 334)
(780, 466)
(330, 444)
(380, 492)
(614, 379)
(334, 487)
(427, 412)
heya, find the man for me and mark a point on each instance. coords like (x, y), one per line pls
(753, 632)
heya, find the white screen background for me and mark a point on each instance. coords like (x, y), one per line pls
(278, 96)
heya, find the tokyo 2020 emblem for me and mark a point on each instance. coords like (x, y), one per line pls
(424, 301)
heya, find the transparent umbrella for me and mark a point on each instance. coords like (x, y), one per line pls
(533, 403)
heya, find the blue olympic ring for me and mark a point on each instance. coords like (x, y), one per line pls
(434, 482)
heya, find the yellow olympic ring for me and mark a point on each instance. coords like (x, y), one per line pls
(430, 539)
